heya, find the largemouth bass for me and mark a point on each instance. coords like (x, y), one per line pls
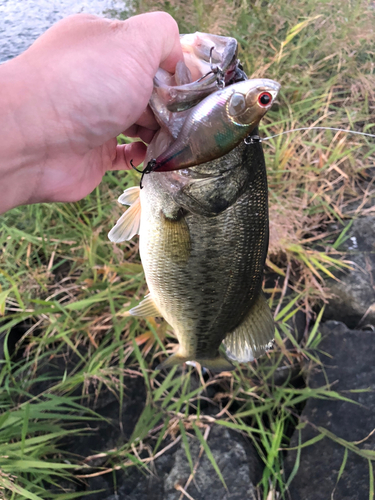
(204, 229)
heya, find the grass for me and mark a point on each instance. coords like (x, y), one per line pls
(66, 289)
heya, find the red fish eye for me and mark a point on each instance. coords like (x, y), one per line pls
(264, 99)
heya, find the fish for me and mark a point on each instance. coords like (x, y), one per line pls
(203, 227)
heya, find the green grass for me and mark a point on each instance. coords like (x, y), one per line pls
(69, 288)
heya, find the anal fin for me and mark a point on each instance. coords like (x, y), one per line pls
(253, 336)
(146, 308)
(128, 224)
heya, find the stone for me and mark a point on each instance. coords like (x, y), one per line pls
(348, 364)
(111, 433)
(353, 300)
(238, 469)
(237, 459)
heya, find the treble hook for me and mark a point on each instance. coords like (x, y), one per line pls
(149, 168)
(216, 70)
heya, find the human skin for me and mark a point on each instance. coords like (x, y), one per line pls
(65, 99)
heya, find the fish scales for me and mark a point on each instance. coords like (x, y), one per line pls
(227, 251)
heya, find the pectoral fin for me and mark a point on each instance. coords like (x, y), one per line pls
(129, 196)
(145, 308)
(253, 336)
(128, 224)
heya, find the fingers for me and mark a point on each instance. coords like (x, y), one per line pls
(169, 38)
(161, 41)
(135, 152)
(143, 133)
(147, 119)
(145, 128)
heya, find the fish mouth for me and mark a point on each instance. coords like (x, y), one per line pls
(211, 60)
(210, 63)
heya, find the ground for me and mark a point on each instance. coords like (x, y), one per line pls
(82, 407)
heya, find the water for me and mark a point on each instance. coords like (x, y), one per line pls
(22, 21)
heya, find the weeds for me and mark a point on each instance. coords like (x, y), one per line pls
(65, 289)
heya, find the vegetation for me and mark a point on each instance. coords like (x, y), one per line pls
(65, 289)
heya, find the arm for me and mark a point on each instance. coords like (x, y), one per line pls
(64, 101)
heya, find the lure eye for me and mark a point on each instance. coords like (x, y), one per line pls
(264, 99)
(237, 104)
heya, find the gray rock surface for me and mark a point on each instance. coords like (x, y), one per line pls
(353, 302)
(349, 364)
(235, 455)
(236, 458)
(238, 468)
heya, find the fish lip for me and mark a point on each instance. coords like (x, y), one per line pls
(181, 97)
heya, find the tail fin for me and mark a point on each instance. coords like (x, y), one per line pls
(175, 359)
(218, 364)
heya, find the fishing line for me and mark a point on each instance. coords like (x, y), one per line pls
(317, 128)
(254, 139)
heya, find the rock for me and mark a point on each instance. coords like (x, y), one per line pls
(110, 433)
(348, 358)
(11, 338)
(238, 461)
(102, 435)
(353, 302)
(236, 458)
(237, 467)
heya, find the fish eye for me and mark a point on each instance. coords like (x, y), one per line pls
(237, 104)
(264, 99)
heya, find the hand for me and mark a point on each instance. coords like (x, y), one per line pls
(66, 98)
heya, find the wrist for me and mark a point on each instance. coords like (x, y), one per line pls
(21, 136)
